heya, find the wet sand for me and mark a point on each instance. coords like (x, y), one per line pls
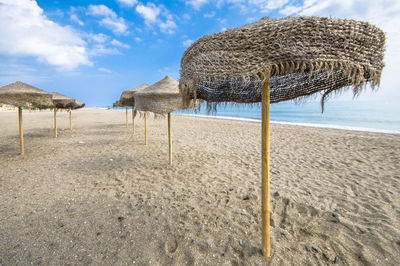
(98, 195)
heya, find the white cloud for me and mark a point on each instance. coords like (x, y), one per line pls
(102, 49)
(119, 44)
(99, 37)
(152, 15)
(209, 15)
(289, 9)
(221, 20)
(168, 26)
(102, 45)
(187, 43)
(244, 5)
(129, 3)
(252, 19)
(138, 39)
(106, 70)
(149, 13)
(110, 19)
(265, 5)
(30, 33)
(196, 4)
(235, 1)
(101, 10)
(75, 19)
(117, 25)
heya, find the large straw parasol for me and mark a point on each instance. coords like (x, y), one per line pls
(127, 100)
(62, 102)
(276, 60)
(23, 95)
(162, 97)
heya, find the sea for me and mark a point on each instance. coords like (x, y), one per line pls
(349, 115)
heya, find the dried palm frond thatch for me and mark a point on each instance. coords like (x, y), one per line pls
(24, 95)
(117, 104)
(127, 98)
(62, 102)
(78, 105)
(302, 55)
(162, 97)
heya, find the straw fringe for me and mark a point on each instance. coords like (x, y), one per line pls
(141, 115)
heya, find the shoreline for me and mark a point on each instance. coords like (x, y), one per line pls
(242, 119)
(326, 126)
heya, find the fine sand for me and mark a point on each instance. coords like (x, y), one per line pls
(98, 195)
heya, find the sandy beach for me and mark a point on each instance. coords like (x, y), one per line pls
(98, 195)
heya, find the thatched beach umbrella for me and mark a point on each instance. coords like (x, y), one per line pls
(162, 97)
(116, 103)
(62, 102)
(275, 60)
(127, 99)
(23, 95)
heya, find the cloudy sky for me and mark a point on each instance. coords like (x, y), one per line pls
(92, 50)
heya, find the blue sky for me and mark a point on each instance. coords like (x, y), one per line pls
(92, 50)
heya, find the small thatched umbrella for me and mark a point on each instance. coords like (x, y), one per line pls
(116, 104)
(62, 102)
(127, 99)
(162, 97)
(276, 60)
(23, 95)
(78, 105)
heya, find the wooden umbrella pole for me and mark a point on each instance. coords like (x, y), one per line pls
(265, 208)
(169, 139)
(55, 122)
(126, 117)
(133, 120)
(70, 119)
(145, 128)
(21, 133)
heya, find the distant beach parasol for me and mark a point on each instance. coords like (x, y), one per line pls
(62, 102)
(163, 97)
(22, 95)
(128, 100)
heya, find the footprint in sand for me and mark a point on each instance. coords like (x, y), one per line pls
(171, 246)
(288, 214)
